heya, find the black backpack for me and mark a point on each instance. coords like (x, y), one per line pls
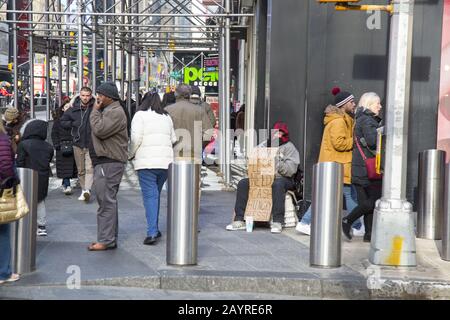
(297, 179)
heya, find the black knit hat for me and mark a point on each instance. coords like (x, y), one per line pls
(341, 97)
(109, 89)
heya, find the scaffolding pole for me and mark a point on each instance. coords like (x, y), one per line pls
(80, 46)
(47, 68)
(228, 141)
(15, 64)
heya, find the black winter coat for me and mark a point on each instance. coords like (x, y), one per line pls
(35, 153)
(65, 165)
(76, 119)
(6, 157)
(366, 125)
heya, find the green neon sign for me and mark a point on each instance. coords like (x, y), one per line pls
(192, 74)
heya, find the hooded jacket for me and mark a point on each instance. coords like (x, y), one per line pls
(366, 132)
(76, 119)
(337, 139)
(35, 153)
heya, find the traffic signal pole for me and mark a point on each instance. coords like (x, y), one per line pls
(393, 237)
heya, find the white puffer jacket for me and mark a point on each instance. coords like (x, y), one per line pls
(152, 137)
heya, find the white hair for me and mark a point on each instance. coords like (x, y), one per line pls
(368, 99)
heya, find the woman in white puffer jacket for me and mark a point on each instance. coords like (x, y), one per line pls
(152, 138)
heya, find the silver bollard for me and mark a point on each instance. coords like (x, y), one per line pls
(430, 205)
(23, 232)
(182, 212)
(446, 226)
(326, 225)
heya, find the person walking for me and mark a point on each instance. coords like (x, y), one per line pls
(76, 119)
(191, 122)
(35, 153)
(6, 171)
(337, 146)
(66, 168)
(152, 137)
(108, 150)
(368, 191)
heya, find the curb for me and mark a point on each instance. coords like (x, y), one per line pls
(291, 284)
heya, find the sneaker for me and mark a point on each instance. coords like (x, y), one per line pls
(81, 197)
(276, 227)
(358, 232)
(236, 225)
(68, 190)
(86, 195)
(41, 231)
(13, 278)
(303, 228)
(347, 229)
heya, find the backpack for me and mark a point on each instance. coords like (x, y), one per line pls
(297, 179)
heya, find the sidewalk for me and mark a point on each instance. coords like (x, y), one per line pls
(257, 262)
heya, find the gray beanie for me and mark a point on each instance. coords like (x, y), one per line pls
(109, 89)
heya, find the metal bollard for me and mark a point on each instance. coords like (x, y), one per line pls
(325, 246)
(446, 226)
(182, 212)
(430, 204)
(23, 232)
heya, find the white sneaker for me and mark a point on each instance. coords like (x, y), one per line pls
(303, 228)
(41, 231)
(276, 227)
(236, 225)
(68, 190)
(81, 197)
(359, 233)
(86, 195)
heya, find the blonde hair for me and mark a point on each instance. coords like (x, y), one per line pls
(368, 99)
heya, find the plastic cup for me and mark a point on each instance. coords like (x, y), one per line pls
(249, 224)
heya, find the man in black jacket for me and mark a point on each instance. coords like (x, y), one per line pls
(76, 118)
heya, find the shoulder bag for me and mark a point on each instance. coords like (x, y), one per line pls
(13, 205)
(370, 164)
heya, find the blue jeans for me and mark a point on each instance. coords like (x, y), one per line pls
(152, 181)
(66, 182)
(5, 252)
(350, 203)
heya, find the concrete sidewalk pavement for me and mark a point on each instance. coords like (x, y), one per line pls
(257, 262)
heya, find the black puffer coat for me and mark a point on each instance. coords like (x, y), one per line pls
(65, 165)
(366, 125)
(35, 153)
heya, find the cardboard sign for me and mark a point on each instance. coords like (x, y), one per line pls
(261, 174)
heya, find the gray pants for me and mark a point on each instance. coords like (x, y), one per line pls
(107, 179)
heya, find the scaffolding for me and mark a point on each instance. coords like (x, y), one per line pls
(122, 35)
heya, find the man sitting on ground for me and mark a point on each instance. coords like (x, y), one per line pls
(286, 164)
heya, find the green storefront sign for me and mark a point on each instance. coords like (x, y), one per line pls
(200, 77)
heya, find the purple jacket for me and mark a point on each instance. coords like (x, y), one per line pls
(6, 157)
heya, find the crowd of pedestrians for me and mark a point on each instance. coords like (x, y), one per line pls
(94, 137)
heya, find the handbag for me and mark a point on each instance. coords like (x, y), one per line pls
(66, 148)
(370, 164)
(13, 205)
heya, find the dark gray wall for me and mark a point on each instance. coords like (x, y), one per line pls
(315, 48)
(288, 67)
(261, 15)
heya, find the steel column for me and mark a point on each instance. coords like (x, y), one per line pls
(393, 239)
(47, 68)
